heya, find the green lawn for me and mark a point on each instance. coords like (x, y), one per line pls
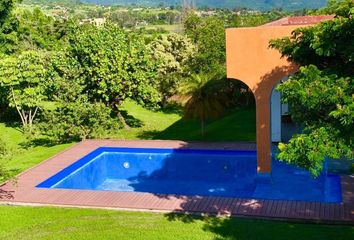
(237, 125)
(167, 27)
(62, 223)
(21, 157)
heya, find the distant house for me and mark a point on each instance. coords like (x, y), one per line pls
(95, 21)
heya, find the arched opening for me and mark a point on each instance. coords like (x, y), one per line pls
(281, 124)
(242, 94)
(242, 100)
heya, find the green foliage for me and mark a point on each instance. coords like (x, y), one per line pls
(308, 150)
(31, 30)
(255, 19)
(172, 51)
(4, 174)
(38, 31)
(3, 148)
(209, 36)
(63, 78)
(75, 121)
(8, 27)
(321, 95)
(337, 7)
(328, 45)
(23, 78)
(113, 65)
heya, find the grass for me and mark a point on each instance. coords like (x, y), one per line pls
(167, 27)
(22, 158)
(61, 223)
(238, 125)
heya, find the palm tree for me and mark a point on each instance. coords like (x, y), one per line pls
(207, 97)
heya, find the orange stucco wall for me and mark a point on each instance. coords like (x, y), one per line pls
(250, 60)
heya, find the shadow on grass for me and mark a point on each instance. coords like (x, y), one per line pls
(237, 125)
(232, 228)
(172, 108)
(38, 142)
(131, 121)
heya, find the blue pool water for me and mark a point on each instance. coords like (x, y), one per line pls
(192, 172)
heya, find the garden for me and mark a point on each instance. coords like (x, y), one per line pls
(63, 81)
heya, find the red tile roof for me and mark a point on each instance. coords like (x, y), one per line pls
(301, 20)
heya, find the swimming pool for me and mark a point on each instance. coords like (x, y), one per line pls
(192, 172)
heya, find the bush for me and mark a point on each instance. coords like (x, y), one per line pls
(4, 174)
(75, 121)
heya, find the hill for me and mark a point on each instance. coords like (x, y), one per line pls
(252, 4)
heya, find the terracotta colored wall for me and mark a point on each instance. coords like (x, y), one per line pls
(250, 60)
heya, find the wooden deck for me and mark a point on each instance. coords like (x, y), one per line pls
(25, 192)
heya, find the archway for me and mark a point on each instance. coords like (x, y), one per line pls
(250, 59)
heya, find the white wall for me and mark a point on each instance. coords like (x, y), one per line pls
(276, 113)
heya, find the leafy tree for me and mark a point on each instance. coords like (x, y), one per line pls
(209, 36)
(207, 97)
(23, 77)
(8, 27)
(113, 65)
(172, 51)
(321, 95)
(254, 19)
(38, 31)
(25, 30)
(339, 7)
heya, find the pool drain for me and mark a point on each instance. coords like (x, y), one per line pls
(126, 165)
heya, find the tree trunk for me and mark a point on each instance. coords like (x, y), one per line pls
(122, 120)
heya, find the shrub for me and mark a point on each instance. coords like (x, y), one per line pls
(3, 148)
(75, 121)
(4, 174)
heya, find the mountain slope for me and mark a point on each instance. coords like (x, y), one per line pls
(255, 4)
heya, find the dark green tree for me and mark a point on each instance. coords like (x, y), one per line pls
(38, 31)
(209, 36)
(23, 78)
(321, 95)
(115, 65)
(8, 26)
(107, 65)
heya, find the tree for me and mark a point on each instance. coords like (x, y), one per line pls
(111, 65)
(39, 31)
(209, 36)
(8, 27)
(207, 97)
(23, 77)
(172, 52)
(4, 151)
(321, 95)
